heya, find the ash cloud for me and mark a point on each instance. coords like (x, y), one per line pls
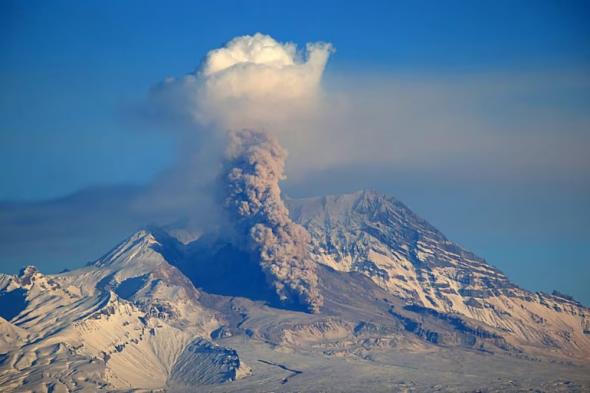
(256, 83)
(254, 167)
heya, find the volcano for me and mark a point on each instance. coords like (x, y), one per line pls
(404, 309)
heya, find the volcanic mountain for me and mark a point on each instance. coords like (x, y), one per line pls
(401, 308)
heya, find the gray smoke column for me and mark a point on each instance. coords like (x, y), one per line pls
(254, 167)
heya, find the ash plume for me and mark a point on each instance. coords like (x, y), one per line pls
(254, 167)
(255, 82)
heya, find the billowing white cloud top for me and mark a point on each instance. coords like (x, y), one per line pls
(254, 82)
(257, 67)
(258, 49)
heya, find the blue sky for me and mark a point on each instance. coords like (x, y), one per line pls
(75, 75)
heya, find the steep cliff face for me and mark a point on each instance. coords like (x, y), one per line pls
(381, 238)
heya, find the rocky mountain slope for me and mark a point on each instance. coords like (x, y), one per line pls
(380, 237)
(404, 309)
(124, 321)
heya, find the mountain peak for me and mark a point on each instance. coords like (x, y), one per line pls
(28, 275)
(144, 236)
(142, 241)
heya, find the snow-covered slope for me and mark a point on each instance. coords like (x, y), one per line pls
(380, 237)
(121, 322)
